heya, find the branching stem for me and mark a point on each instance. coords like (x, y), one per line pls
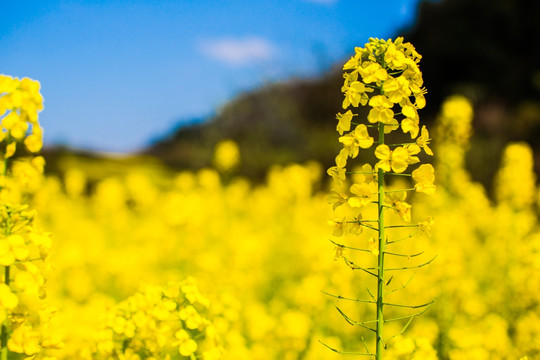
(380, 262)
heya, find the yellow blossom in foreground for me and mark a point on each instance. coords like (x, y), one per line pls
(396, 199)
(364, 193)
(344, 123)
(424, 177)
(425, 226)
(392, 160)
(8, 300)
(24, 340)
(358, 138)
(187, 346)
(423, 141)
(381, 110)
(355, 94)
(372, 72)
(337, 173)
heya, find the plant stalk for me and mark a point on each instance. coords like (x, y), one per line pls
(3, 335)
(4, 330)
(380, 273)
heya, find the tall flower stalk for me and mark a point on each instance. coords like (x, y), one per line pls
(24, 249)
(385, 76)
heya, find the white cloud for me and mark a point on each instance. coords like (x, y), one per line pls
(239, 51)
(404, 9)
(323, 1)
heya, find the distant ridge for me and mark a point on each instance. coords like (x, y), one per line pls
(479, 48)
(279, 123)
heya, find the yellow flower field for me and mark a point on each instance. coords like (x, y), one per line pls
(152, 264)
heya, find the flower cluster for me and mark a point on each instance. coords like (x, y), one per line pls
(453, 132)
(161, 322)
(20, 102)
(24, 248)
(384, 75)
(515, 181)
(261, 254)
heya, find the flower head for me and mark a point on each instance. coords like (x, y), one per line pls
(424, 177)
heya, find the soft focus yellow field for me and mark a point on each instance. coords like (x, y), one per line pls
(206, 265)
(261, 255)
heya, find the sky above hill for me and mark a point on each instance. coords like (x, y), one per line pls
(116, 74)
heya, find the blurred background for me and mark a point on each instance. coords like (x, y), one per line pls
(191, 139)
(172, 78)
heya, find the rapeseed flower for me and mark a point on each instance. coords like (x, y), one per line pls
(385, 76)
(424, 177)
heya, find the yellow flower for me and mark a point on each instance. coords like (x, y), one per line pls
(226, 155)
(396, 160)
(337, 173)
(18, 247)
(193, 295)
(413, 150)
(354, 226)
(424, 177)
(339, 253)
(337, 226)
(10, 149)
(337, 199)
(345, 226)
(394, 58)
(381, 111)
(9, 121)
(187, 346)
(352, 63)
(367, 174)
(8, 299)
(214, 354)
(373, 246)
(8, 84)
(425, 226)
(365, 194)
(341, 159)
(396, 199)
(33, 143)
(24, 340)
(344, 123)
(358, 138)
(18, 131)
(411, 121)
(191, 317)
(420, 100)
(423, 141)
(6, 255)
(372, 72)
(396, 89)
(38, 162)
(29, 279)
(355, 94)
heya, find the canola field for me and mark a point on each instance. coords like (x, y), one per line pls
(151, 264)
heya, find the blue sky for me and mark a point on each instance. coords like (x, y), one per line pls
(116, 74)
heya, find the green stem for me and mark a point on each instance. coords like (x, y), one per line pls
(380, 273)
(7, 275)
(3, 335)
(4, 330)
(4, 171)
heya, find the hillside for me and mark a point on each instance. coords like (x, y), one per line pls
(484, 57)
(277, 124)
